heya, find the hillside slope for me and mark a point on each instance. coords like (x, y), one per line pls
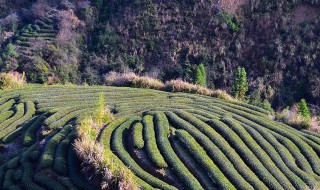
(276, 42)
(168, 141)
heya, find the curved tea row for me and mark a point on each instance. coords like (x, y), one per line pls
(216, 150)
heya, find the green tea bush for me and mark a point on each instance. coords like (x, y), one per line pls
(162, 128)
(47, 156)
(30, 135)
(200, 154)
(60, 162)
(219, 151)
(137, 134)
(193, 165)
(118, 146)
(28, 113)
(151, 143)
(48, 183)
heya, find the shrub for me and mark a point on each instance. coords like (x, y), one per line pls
(192, 164)
(5, 115)
(280, 152)
(18, 175)
(30, 135)
(202, 157)
(138, 141)
(47, 156)
(7, 105)
(181, 86)
(151, 143)
(28, 113)
(61, 154)
(75, 173)
(162, 128)
(224, 156)
(293, 118)
(132, 80)
(48, 183)
(307, 150)
(243, 134)
(118, 146)
(12, 80)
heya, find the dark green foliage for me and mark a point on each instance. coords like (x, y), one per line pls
(18, 175)
(60, 162)
(47, 182)
(30, 135)
(261, 160)
(75, 172)
(240, 84)
(14, 163)
(230, 21)
(304, 110)
(201, 75)
(137, 132)
(23, 127)
(151, 143)
(162, 128)
(8, 183)
(118, 146)
(222, 154)
(188, 76)
(48, 154)
(8, 58)
(193, 165)
(18, 120)
(200, 154)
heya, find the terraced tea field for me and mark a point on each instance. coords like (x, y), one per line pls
(168, 140)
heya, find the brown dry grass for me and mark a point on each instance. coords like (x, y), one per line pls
(95, 158)
(133, 80)
(12, 80)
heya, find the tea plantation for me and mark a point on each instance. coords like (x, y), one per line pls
(168, 140)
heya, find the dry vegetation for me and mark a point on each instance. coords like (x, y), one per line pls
(93, 155)
(12, 80)
(133, 80)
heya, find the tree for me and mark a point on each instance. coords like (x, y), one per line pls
(240, 85)
(9, 58)
(304, 110)
(187, 71)
(201, 75)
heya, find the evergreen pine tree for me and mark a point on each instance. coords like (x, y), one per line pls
(187, 71)
(201, 75)
(240, 86)
(304, 110)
